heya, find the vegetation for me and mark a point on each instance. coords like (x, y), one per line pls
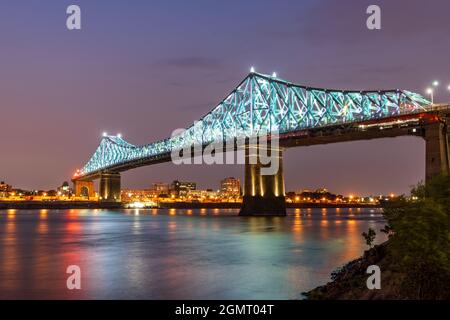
(419, 240)
(369, 236)
(415, 261)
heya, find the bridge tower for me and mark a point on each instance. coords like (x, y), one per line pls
(109, 187)
(264, 194)
(437, 149)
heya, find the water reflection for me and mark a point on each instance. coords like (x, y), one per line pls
(176, 253)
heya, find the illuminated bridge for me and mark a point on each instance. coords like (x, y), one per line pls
(301, 115)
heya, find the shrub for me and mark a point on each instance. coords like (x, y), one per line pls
(420, 241)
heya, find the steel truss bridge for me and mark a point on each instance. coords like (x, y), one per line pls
(260, 103)
(301, 115)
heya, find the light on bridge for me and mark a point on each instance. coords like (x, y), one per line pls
(77, 173)
(105, 134)
(252, 70)
(274, 75)
(119, 135)
(435, 83)
(448, 88)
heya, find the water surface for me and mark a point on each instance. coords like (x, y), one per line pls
(176, 254)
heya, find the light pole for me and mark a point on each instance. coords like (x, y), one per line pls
(431, 93)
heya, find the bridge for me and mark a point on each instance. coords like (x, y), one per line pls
(300, 116)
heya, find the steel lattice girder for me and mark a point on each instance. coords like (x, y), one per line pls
(265, 104)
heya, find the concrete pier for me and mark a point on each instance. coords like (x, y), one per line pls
(109, 187)
(437, 153)
(264, 195)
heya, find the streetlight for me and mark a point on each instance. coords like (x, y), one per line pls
(252, 69)
(119, 135)
(448, 88)
(274, 75)
(431, 93)
(105, 134)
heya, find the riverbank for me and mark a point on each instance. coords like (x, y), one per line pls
(237, 205)
(162, 205)
(349, 282)
(414, 262)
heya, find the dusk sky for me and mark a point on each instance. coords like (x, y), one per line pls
(145, 68)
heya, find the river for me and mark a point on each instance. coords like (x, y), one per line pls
(177, 253)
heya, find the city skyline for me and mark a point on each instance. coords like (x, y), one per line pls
(135, 84)
(169, 185)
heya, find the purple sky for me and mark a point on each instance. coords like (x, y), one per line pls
(144, 68)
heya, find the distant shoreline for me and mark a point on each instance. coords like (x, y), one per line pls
(32, 205)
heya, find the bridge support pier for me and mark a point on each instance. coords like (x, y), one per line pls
(264, 194)
(83, 189)
(437, 150)
(109, 187)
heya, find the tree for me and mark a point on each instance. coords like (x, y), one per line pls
(369, 236)
(420, 239)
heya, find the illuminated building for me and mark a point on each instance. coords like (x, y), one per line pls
(64, 190)
(230, 187)
(181, 188)
(202, 195)
(4, 189)
(131, 195)
(159, 188)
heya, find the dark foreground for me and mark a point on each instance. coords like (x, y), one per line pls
(349, 282)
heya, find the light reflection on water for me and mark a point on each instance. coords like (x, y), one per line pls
(176, 253)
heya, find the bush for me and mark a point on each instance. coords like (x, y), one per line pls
(420, 241)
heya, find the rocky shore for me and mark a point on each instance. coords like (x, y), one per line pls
(349, 282)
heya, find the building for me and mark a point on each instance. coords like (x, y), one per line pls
(159, 188)
(5, 189)
(202, 195)
(64, 190)
(131, 195)
(230, 187)
(181, 188)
